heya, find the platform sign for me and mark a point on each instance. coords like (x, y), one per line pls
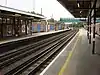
(69, 20)
(33, 27)
(9, 30)
(39, 27)
(23, 28)
(60, 27)
(51, 27)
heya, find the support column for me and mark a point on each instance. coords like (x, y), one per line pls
(31, 27)
(19, 27)
(88, 28)
(25, 26)
(93, 49)
(14, 26)
(6, 32)
(2, 28)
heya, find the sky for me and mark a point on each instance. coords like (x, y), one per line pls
(50, 8)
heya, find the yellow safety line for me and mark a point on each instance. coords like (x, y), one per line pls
(67, 61)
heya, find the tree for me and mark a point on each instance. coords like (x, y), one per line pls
(79, 24)
(51, 20)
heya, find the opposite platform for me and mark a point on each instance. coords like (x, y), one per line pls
(30, 36)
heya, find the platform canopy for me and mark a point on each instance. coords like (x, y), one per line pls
(12, 12)
(79, 8)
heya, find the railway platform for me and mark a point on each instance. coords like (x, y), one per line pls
(76, 58)
(29, 36)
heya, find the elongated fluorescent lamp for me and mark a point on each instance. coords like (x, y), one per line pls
(80, 11)
(78, 4)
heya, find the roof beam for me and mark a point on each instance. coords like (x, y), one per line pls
(83, 8)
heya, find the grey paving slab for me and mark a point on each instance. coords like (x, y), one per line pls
(82, 61)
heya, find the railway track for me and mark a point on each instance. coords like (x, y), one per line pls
(29, 59)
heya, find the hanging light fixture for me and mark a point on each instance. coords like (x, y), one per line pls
(78, 5)
(80, 12)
